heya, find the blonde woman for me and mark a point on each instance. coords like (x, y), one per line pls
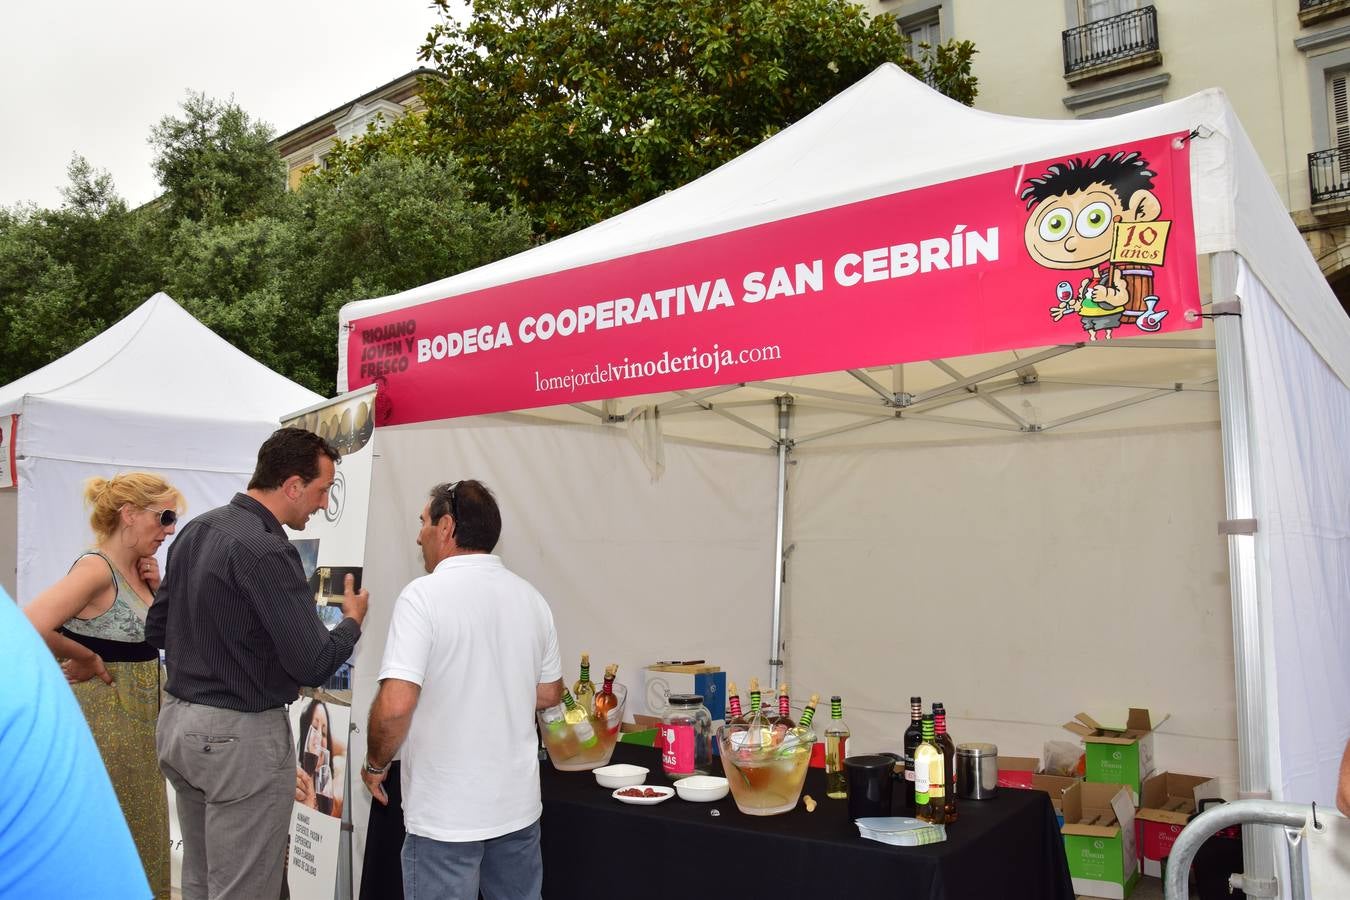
(93, 621)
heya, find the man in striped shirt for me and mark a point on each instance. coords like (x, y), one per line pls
(235, 617)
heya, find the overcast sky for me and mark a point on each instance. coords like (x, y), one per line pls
(93, 77)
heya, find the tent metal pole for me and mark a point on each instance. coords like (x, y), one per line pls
(784, 404)
(1253, 703)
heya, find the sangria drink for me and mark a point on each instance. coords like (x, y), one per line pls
(581, 742)
(764, 769)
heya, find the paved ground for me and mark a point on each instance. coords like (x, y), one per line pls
(1148, 889)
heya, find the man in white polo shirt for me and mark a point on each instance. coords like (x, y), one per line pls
(471, 654)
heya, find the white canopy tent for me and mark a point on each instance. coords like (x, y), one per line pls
(936, 533)
(157, 391)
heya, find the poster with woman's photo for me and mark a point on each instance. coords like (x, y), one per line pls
(320, 730)
(333, 544)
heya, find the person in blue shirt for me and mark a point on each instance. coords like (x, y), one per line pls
(61, 831)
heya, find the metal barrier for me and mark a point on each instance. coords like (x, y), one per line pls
(1294, 818)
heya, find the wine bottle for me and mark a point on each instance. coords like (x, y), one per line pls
(735, 717)
(836, 748)
(606, 702)
(808, 713)
(584, 690)
(783, 721)
(759, 724)
(913, 736)
(576, 717)
(947, 745)
(558, 737)
(930, 801)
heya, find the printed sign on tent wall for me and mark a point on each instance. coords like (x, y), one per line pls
(1097, 245)
(321, 778)
(333, 543)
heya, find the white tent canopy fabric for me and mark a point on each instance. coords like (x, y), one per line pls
(156, 391)
(1142, 403)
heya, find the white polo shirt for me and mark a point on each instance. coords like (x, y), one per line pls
(478, 639)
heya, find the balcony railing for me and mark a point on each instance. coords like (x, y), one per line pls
(1329, 174)
(1311, 12)
(1112, 40)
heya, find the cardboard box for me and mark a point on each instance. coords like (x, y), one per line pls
(1055, 786)
(1118, 755)
(710, 682)
(1017, 771)
(1167, 801)
(642, 734)
(1099, 840)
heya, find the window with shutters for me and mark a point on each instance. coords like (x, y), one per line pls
(1329, 169)
(926, 30)
(1339, 112)
(1096, 10)
(1338, 117)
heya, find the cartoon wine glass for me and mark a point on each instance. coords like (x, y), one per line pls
(313, 746)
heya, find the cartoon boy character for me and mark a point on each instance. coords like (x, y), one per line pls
(1073, 208)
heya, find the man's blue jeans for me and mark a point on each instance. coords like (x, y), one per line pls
(502, 868)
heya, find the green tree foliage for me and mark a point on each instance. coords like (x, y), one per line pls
(273, 285)
(67, 273)
(215, 163)
(580, 109)
(265, 269)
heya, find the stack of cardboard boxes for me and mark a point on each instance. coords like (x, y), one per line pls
(1124, 818)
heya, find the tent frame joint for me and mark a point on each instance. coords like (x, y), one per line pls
(1237, 526)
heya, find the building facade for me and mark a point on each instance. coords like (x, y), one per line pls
(1284, 65)
(305, 148)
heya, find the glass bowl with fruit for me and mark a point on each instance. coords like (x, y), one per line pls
(579, 739)
(765, 766)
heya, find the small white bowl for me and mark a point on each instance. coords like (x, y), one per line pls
(701, 788)
(620, 775)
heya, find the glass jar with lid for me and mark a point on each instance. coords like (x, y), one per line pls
(686, 736)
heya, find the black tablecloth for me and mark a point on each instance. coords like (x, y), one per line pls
(596, 847)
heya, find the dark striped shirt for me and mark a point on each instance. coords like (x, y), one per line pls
(235, 614)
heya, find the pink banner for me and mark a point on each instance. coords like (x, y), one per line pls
(1099, 245)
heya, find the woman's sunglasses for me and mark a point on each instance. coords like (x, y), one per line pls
(167, 517)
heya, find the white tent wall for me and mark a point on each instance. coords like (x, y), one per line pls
(158, 391)
(1019, 581)
(635, 570)
(1302, 496)
(9, 541)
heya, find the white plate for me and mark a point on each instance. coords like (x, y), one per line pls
(665, 792)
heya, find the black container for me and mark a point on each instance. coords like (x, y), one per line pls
(871, 784)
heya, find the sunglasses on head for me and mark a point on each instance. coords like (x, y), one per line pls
(167, 517)
(450, 494)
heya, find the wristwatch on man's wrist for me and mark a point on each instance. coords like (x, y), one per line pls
(375, 770)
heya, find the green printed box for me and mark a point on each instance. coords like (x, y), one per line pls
(1118, 755)
(1099, 840)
